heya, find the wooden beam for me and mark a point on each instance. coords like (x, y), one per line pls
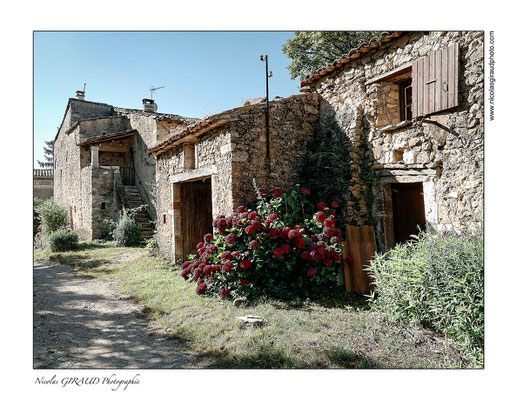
(405, 68)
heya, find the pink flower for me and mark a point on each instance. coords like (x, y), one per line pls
(293, 233)
(311, 271)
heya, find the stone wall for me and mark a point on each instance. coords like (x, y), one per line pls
(232, 156)
(445, 150)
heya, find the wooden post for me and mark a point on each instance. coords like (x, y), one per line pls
(360, 247)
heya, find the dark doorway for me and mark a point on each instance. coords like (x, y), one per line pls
(196, 213)
(408, 210)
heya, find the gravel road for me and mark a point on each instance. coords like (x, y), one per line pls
(85, 323)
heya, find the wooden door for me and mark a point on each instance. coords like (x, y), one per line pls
(408, 210)
(196, 214)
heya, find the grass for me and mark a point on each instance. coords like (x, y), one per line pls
(342, 333)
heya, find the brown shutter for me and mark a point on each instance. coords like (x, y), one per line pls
(435, 81)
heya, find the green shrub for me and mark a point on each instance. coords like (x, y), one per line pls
(63, 240)
(53, 216)
(152, 245)
(36, 218)
(127, 232)
(435, 281)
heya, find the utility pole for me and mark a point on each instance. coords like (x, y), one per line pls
(269, 74)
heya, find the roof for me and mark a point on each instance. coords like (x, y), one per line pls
(155, 115)
(43, 173)
(207, 124)
(353, 54)
(111, 136)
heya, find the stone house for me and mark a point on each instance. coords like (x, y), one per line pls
(209, 167)
(410, 106)
(43, 183)
(101, 162)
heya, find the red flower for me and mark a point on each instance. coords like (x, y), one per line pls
(286, 248)
(208, 237)
(276, 192)
(334, 204)
(300, 243)
(311, 271)
(201, 287)
(321, 205)
(249, 230)
(272, 233)
(252, 215)
(230, 238)
(293, 233)
(240, 209)
(263, 192)
(330, 222)
(306, 255)
(185, 273)
(185, 265)
(273, 216)
(227, 266)
(253, 244)
(245, 282)
(305, 191)
(225, 292)
(284, 231)
(245, 263)
(349, 261)
(278, 252)
(320, 216)
(226, 255)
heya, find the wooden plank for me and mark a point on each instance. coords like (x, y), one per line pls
(438, 84)
(414, 84)
(360, 246)
(450, 76)
(443, 88)
(456, 64)
(426, 86)
(390, 74)
(421, 86)
(431, 86)
(370, 247)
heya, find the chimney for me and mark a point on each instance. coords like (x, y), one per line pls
(149, 105)
(79, 94)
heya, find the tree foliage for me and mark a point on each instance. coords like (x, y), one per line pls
(310, 51)
(48, 154)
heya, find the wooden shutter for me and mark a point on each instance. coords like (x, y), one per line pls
(435, 81)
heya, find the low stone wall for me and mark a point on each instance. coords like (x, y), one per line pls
(43, 188)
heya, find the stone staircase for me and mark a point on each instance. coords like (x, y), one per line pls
(142, 217)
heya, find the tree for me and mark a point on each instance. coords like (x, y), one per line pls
(311, 51)
(49, 155)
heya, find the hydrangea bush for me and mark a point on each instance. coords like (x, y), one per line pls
(279, 245)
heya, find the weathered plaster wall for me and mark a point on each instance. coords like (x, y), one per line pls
(448, 159)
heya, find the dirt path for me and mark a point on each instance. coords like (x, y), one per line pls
(85, 323)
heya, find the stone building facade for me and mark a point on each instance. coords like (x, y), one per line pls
(210, 168)
(43, 183)
(410, 106)
(99, 152)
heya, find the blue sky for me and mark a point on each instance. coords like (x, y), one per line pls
(203, 72)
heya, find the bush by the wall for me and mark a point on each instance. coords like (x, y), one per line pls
(36, 218)
(435, 281)
(127, 232)
(53, 216)
(280, 245)
(62, 240)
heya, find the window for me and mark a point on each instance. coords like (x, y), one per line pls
(405, 101)
(103, 205)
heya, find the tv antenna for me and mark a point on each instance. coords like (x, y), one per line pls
(153, 89)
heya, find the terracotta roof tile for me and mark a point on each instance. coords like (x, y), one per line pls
(352, 54)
